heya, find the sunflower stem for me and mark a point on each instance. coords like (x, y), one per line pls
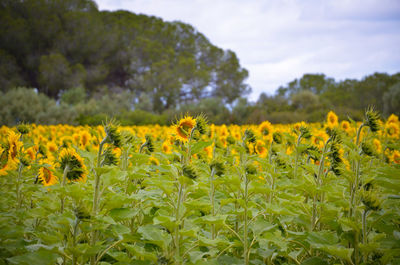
(364, 232)
(18, 184)
(245, 230)
(318, 182)
(74, 234)
(297, 155)
(212, 199)
(64, 180)
(96, 196)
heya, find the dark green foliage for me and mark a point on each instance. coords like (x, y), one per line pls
(59, 45)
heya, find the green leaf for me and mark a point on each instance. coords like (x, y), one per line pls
(260, 226)
(153, 234)
(338, 251)
(209, 219)
(322, 238)
(119, 214)
(140, 252)
(197, 147)
(120, 229)
(41, 256)
(314, 261)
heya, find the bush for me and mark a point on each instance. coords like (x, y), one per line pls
(27, 105)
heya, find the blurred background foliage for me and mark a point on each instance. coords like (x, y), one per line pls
(64, 61)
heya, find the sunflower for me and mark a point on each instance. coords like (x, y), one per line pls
(393, 119)
(396, 157)
(51, 146)
(31, 152)
(14, 146)
(332, 120)
(5, 165)
(260, 148)
(392, 130)
(223, 131)
(85, 138)
(154, 161)
(377, 145)
(77, 169)
(166, 148)
(265, 128)
(46, 176)
(184, 127)
(345, 125)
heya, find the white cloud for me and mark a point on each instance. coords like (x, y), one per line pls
(278, 41)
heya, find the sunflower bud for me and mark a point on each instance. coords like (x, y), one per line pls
(149, 143)
(335, 158)
(280, 162)
(201, 124)
(372, 119)
(109, 157)
(24, 161)
(305, 132)
(77, 169)
(313, 152)
(371, 200)
(367, 148)
(251, 169)
(189, 171)
(23, 128)
(114, 137)
(230, 140)
(277, 137)
(249, 136)
(42, 150)
(218, 166)
(81, 213)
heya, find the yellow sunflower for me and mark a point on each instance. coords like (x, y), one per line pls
(14, 146)
(332, 119)
(392, 130)
(5, 165)
(154, 161)
(265, 128)
(377, 145)
(85, 138)
(166, 148)
(260, 148)
(51, 146)
(393, 119)
(345, 125)
(47, 177)
(184, 127)
(396, 157)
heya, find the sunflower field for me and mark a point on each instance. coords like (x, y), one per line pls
(196, 193)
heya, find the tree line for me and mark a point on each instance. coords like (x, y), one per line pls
(58, 45)
(64, 61)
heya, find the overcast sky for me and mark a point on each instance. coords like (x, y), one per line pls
(280, 40)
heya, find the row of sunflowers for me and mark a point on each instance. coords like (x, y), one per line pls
(194, 193)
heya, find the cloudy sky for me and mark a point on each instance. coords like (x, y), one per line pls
(280, 40)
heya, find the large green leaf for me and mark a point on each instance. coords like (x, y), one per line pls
(314, 261)
(260, 226)
(198, 146)
(154, 234)
(119, 214)
(41, 256)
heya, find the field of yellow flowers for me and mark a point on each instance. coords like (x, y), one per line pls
(195, 193)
